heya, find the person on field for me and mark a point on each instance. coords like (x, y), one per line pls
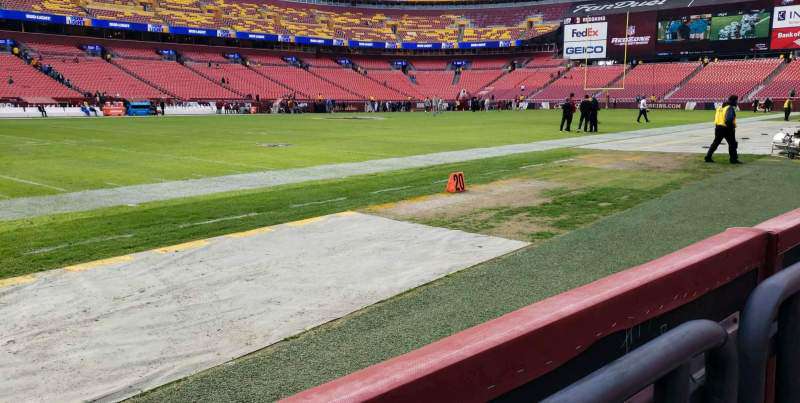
(643, 111)
(41, 110)
(585, 108)
(594, 111)
(787, 106)
(725, 128)
(755, 105)
(567, 110)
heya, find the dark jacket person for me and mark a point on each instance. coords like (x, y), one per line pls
(725, 128)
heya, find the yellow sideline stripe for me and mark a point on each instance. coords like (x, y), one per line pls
(98, 263)
(183, 246)
(252, 232)
(8, 282)
(305, 222)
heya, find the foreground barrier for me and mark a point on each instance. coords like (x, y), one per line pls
(532, 353)
(777, 298)
(665, 361)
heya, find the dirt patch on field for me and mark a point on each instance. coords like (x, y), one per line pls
(479, 210)
(501, 194)
(634, 161)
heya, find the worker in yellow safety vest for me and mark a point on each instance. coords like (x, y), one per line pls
(725, 128)
(787, 107)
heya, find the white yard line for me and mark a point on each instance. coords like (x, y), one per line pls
(236, 217)
(318, 202)
(391, 189)
(86, 242)
(20, 180)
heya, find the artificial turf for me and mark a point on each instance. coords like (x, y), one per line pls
(737, 197)
(51, 156)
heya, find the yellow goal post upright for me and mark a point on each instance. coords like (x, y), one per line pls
(624, 63)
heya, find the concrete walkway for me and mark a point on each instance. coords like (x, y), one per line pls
(755, 137)
(28, 207)
(110, 329)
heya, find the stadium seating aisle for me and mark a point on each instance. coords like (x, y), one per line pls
(511, 85)
(580, 81)
(361, 85)
(241, 79)
(437, 84)
(29, 82)
(396, 79)
(176, 79)
(94, 74)
(780, 86)
(475, 80)
(306, 83)
(720, 79)
(652, 80)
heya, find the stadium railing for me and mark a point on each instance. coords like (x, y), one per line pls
(534, 352)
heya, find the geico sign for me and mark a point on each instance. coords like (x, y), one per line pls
(585, 50)
(589, 51)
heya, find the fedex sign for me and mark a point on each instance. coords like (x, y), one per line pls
(583, 41)
(586, 32)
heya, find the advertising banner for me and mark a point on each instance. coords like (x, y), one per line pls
(785, 38)
(631, 6)
(586, 41)
(786, 17)
(637, 31)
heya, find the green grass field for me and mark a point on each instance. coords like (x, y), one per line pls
(592, 216)
(41, 157)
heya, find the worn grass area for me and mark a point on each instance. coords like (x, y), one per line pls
(49, 242)
(581, 191)
(741, 196)
(50, 156)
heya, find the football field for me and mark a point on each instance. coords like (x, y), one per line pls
(241, 258)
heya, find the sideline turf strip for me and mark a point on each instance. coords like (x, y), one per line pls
(81, 154)
(49, 242)
(740, 197)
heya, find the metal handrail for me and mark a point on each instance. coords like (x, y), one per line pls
(664, 362)
(777, 298)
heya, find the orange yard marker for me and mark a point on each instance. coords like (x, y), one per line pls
(456, 183)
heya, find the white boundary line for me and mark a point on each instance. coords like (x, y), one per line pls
(11, 178)
(236, 217)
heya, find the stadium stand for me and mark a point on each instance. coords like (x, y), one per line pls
(437, 84)
(579, 80)
(652, 80)
(281, 17)
(175, 79)
(786, 80)
(240, 79)
(93, 74)
(398, 80)
(306, 83)
(475, 80)
(511, 84)
(720, 79)
(29, 82)
(362, 85)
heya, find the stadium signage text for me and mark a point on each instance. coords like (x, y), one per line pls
(585, 41)
(786, 17)
(785, 38)
(593, 7)
(38, 17)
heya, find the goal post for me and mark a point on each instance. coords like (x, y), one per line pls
(624, 64)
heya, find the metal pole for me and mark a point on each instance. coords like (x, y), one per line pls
(755, 333)
(647, 364)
